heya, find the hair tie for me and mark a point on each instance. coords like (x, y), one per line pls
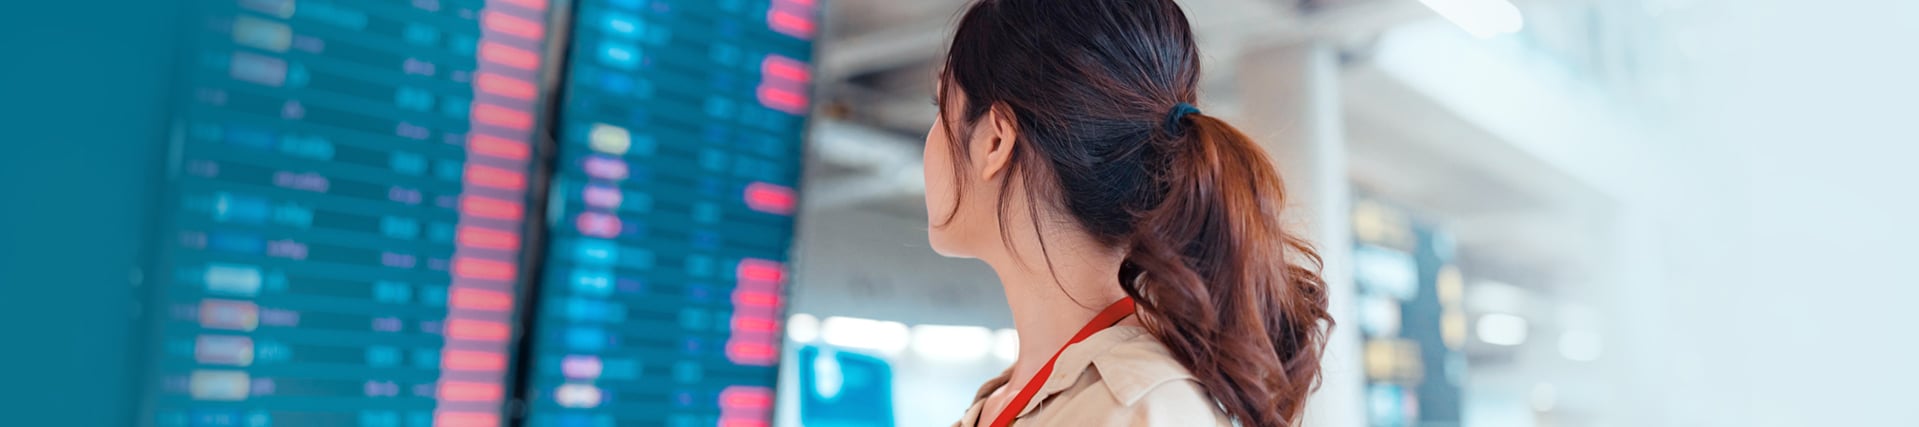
(1178, 113)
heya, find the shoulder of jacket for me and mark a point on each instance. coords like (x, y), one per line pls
(1142, 367)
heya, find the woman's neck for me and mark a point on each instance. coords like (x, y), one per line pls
(1048, 313)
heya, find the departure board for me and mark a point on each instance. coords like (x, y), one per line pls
(670, 213)
(348, 184)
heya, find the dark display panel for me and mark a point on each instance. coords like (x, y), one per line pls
(347, 197)
(670, 213)
(1412, 317)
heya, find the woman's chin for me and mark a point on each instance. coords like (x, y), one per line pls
(945, 248)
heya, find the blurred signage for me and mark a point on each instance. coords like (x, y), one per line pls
(843, 389)
(1411, 318)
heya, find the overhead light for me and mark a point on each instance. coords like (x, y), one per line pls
(951, 343)
(1502, 329)
(886, 337)
(1481, 18)
(802, 328)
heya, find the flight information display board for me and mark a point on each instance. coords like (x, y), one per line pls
(670, 213)
(347, 191)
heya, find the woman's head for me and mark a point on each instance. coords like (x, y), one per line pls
(1070, 93)
(1061, 111)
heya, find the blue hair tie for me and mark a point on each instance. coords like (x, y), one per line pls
(1178, 113)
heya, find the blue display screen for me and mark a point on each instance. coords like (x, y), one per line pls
(350, 231)
(670, 213)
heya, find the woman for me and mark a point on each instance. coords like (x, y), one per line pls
(1137, 238)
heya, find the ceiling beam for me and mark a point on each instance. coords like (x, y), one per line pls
(889, 165)
(896, 47)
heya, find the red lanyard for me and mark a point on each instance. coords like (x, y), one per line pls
(1106, 319)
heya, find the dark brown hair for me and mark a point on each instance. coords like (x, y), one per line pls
(1195, 203)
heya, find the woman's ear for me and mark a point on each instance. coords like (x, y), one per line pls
(1000, 135)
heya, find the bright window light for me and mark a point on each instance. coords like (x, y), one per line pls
(1502, 329)
(952, 343)
(886, 337)
(1481, 18)
(1006, 345)
(802, 328)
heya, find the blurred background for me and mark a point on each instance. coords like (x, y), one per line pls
(1563, 213)
(1540, 213)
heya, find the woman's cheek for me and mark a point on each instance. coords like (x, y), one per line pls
(938, 175)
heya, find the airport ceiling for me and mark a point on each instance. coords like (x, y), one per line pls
(877, 57)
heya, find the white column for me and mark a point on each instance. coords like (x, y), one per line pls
(1290, 102)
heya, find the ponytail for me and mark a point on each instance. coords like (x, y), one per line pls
(1192, 202)
(1237, 299)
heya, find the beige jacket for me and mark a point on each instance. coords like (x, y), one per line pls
(1121, 376)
